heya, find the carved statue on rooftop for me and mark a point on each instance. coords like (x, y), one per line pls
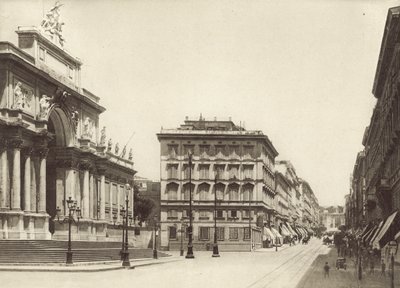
(123, 152)
(130, 156)
(52, 23)
(109, 145)
(116, 148)
(103, 136)
(44, 104)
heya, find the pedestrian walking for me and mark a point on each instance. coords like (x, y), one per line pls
(326, 270)
(371, 266)
(383, 266)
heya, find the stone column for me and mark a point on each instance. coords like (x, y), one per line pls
(16, 181)
(85, 192)
(119, 192)
(111, 201)
(102, 197)
(3, 175)
(91, 196)
(42, 179)
(27, 179)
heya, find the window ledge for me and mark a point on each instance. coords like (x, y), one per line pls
(204, 218)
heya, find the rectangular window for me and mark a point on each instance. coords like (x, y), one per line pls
(204, 233)
(188, 149)
(172, 151)
(234, 214)
(233, 233)
(186, 171)
(248, 171)
(220, 214)
(219, 171)
(172, 214)
(234, 172)
(204, 214)
(220, 233)
(246, 213)
(246, 235)
(172, 232)
(204, 171)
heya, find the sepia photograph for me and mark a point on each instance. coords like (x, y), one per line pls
(200, 143)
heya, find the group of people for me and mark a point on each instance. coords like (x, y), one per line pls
(348, 246)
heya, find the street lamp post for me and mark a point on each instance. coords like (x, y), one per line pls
(392, 268)
(122, 213)
(182, 227)
(359, 260)
(155, 254)
(276, 243)
(215, 246)
(126, 222)
(189, 254)
(125, 261)
(72, 208)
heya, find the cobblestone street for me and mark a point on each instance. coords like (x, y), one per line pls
(344, 278)
(263, 268)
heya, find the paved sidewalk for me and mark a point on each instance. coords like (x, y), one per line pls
(314, 277)
(87, 266)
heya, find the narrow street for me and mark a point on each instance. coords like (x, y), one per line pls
(263, 268)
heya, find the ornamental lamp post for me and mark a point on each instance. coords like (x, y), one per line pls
(183, 226)
(125, 253)
(215, 245)
(122, 226)
(155, 254)
(189, 254)
(72, 208)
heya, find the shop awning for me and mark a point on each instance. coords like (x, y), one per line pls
(268, 234)
(368, 235)
(284, 231)
(388, 231)
(277, 234)
(367, 229)
(290, 229)
(375, 233)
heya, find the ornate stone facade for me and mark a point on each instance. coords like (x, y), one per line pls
(51, 147)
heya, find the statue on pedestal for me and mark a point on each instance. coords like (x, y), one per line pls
(52, 24)
(87, 128)
(130, 156)
(116, 148)
(44, 104)
(75, 119)
(103, 136)
(109, 145)
(123, 152)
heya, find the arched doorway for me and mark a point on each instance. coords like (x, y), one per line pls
(59, 127)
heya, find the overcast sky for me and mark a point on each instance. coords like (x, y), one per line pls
(300, 71)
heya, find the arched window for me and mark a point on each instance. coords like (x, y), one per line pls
(233, 190)
(247, 192)
(172, 191)
(204, 191)
(220, 188)
(186, 191)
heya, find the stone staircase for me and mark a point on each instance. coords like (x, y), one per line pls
(50, 251)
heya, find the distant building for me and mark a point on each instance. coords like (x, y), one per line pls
(243, 163)
(332, 217)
